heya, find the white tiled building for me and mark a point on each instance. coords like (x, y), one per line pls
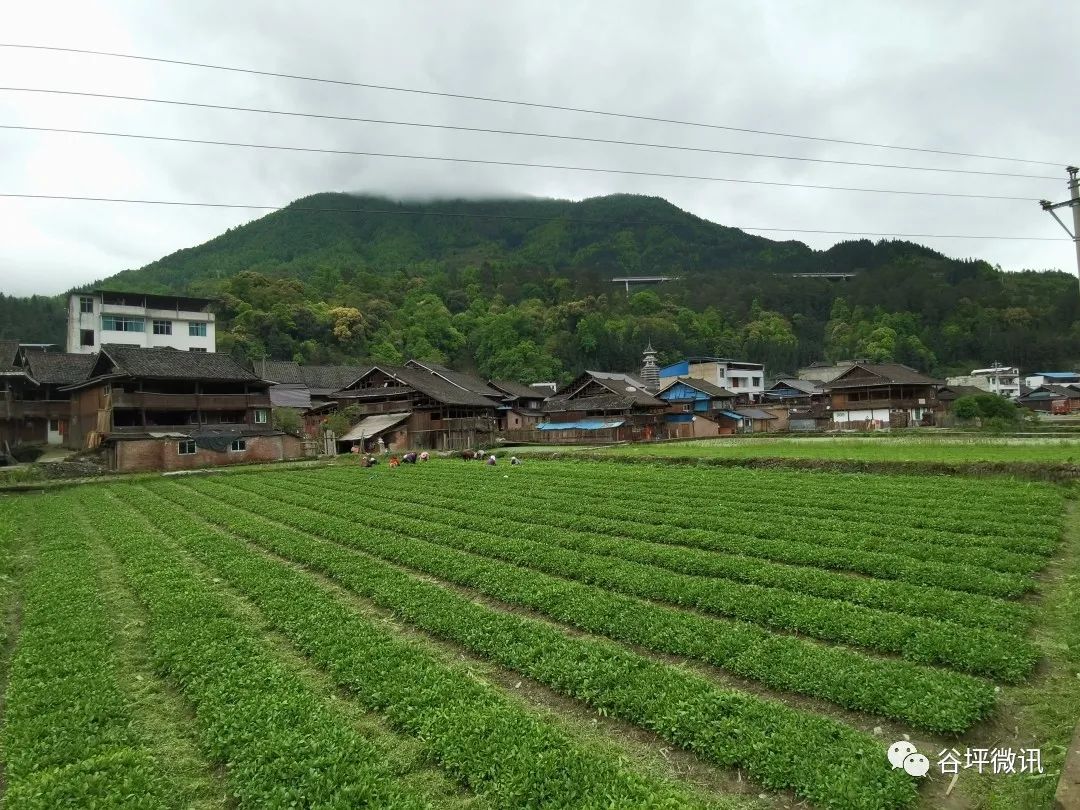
(737, 376)
(141, 320)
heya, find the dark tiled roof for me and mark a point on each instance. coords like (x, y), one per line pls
(883, 373)
(433, 386)
(462, 380)
(1055, 392)
(704, 386)
(516, 389)
(283, 372)
(8, 350)
(332, 378)
(175, 364)
(957, 391)
(806, 386)
(59, 368)
(603, 402)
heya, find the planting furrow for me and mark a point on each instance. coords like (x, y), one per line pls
(516, 517)
(1008, 526)
(283, 746)
(69, 739)
(477, 735)
(973, 650)
(766, 738)
(935, 699)
(716, 518)
(806, 553)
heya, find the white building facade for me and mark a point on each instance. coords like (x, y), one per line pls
(737, 376)
(141, 320)
(1001, 380)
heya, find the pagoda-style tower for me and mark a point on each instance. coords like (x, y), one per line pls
(650, 372)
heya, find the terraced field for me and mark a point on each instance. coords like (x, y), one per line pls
(549, 635)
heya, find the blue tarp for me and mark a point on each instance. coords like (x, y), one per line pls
(732, 415)
(586, 424)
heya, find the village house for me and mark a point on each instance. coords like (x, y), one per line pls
(949, 393)
(799, 405)
(414, 406)
(697, 408)
(745, 380)
(1001, 380)
(882, 394)
(605, 407)
(102, 317)
(1041, 378)
(1054, 399)
(33, 410)
(166, 409)
(521, 405)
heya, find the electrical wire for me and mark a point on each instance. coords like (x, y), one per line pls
(524, 217)
(519, 103)
(518, 133)
(516, 164)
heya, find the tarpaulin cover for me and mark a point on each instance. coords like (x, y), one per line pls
(587, 424)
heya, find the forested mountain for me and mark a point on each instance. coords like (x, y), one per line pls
(522, 289)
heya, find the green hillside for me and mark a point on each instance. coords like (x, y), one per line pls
(522, 288)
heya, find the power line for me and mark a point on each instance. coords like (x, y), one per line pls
(524, 217)
(518, 103)
(519, 133)
(516, 164)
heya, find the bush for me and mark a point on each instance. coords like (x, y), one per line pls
(27, 453)
(287, 420)
(987, 407)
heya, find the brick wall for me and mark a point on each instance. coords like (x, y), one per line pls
(145, 455)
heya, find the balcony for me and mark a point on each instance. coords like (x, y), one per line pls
(35, 409)
(839, 404)
(189, 402)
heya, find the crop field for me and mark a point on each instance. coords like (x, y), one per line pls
(920, 447)
(555, 634)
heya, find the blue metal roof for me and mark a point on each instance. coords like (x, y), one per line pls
(1054, 375)
(584, 424)
(731, 415)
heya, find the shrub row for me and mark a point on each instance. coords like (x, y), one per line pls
(282, 744)
(882, 565)
(968, 649)
(479, 736)
(518, 515)
(929, 698)
(989, 515)
(835, 532)
(767, 739)
(68, 736)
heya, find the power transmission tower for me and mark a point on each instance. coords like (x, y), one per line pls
(1074, 203)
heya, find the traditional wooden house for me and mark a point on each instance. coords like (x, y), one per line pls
(1055, 399)
(414, 407)
(697, 408)
(948, 394)
(798, 405)
(168, 409)
(882, 394)
(293, 384)
(603, 406)
(521, 405)
(33, 409)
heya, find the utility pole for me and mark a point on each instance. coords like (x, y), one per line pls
(1074, 203)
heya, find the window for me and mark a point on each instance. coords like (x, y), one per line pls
(54, 425)
(193, 349)
(196, 330)
(186, 447)
(162, 327)
(260, 417)
(239, 445)
(86, 304)
(757, 380)
(118, 323)
(86, 337)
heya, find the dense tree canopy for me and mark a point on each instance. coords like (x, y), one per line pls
(522, 290)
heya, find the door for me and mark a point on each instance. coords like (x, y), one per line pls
(54, 434)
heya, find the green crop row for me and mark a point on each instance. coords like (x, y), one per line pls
(774, 744)
(930, 698)
(834, 532)
(1010, 533)
(804, 552)
(830, 494)
(68, 736)
(987, 498)
(479, 736)
(283, 745)
(518, 515)
(975, 650)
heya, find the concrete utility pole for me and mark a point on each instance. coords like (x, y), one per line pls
(1074, 203)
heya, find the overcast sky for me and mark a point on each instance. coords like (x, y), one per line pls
(991, 78)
